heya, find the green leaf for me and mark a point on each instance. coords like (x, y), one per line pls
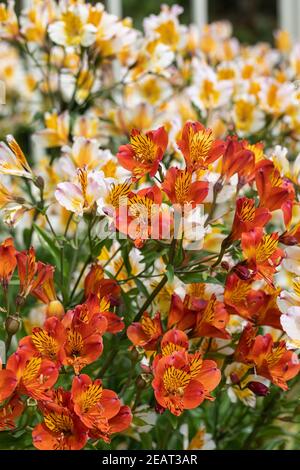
(45, 237)
(170, 272)
(189, 278)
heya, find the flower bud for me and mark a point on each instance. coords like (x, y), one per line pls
(258, 388)
(39, 182)
(140, 382)
(159, 409)
(55, 309)
(242, 272)
(225, 265)
(12, 324)
(234, 378)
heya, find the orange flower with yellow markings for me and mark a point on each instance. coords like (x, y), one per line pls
(144, 153)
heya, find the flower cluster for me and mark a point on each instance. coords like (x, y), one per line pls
(150, 232)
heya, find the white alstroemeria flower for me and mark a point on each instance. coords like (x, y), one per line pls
(12, 160)
(73, 28)
(80, 196)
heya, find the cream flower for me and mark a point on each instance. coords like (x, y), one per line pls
(73, 27)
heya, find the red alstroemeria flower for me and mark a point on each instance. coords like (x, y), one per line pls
(85, 326)
(274, 191)
(182, 381)
(8, 261)
(144, 153)
(47, 342)
(274, 361)
(238, 159)
(96, 407)
(9, 412)
(32, 274)
(119, 423)
(180, 188)
(27, 375)
(257, 306)
(146, 333)
(247, 217)
(61, 428)
(262, 253)
(198, 146)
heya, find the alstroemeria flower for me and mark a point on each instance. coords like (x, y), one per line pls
(183, 381)
(81, 196)
(8, 261)
(181, 189)
(274, 361)
(9, 412)
(257, 306)
(146, 333)
(97, 407)
(34, 275)
(247, 217)
(198, 146)
(27, 375)
(61, 428)
(144, 153)
(73, 28)
(56, 132)
(85, 326)
(262, 253)
(274, 192)
(12, 159)
(238, 159)
(46, 342)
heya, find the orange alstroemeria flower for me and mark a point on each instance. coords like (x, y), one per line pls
(27, 375)
(174, 340)
(180, 188)
(107, 291)
(183, 381)
(8, 261)
(257, 306)
(202, 317)
(85, 326)
(143, 218)
(274, 191)
(96, 407)
(9, 412)
(274, 361)
(144, 153)
(33, 274)
(146, 333)
(198, 146)
(261, 253)
(237, 159)
(247, 217)
(61, 428)
(47, 342)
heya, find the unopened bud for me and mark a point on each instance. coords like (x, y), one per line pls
(20, 200)
(234, 378)
(159, 409)
(258, 388)
(242, 272)
(39, 182)
(55, 309)
(225, 265)
(12, 324)
(134, 355)
(140, 382)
